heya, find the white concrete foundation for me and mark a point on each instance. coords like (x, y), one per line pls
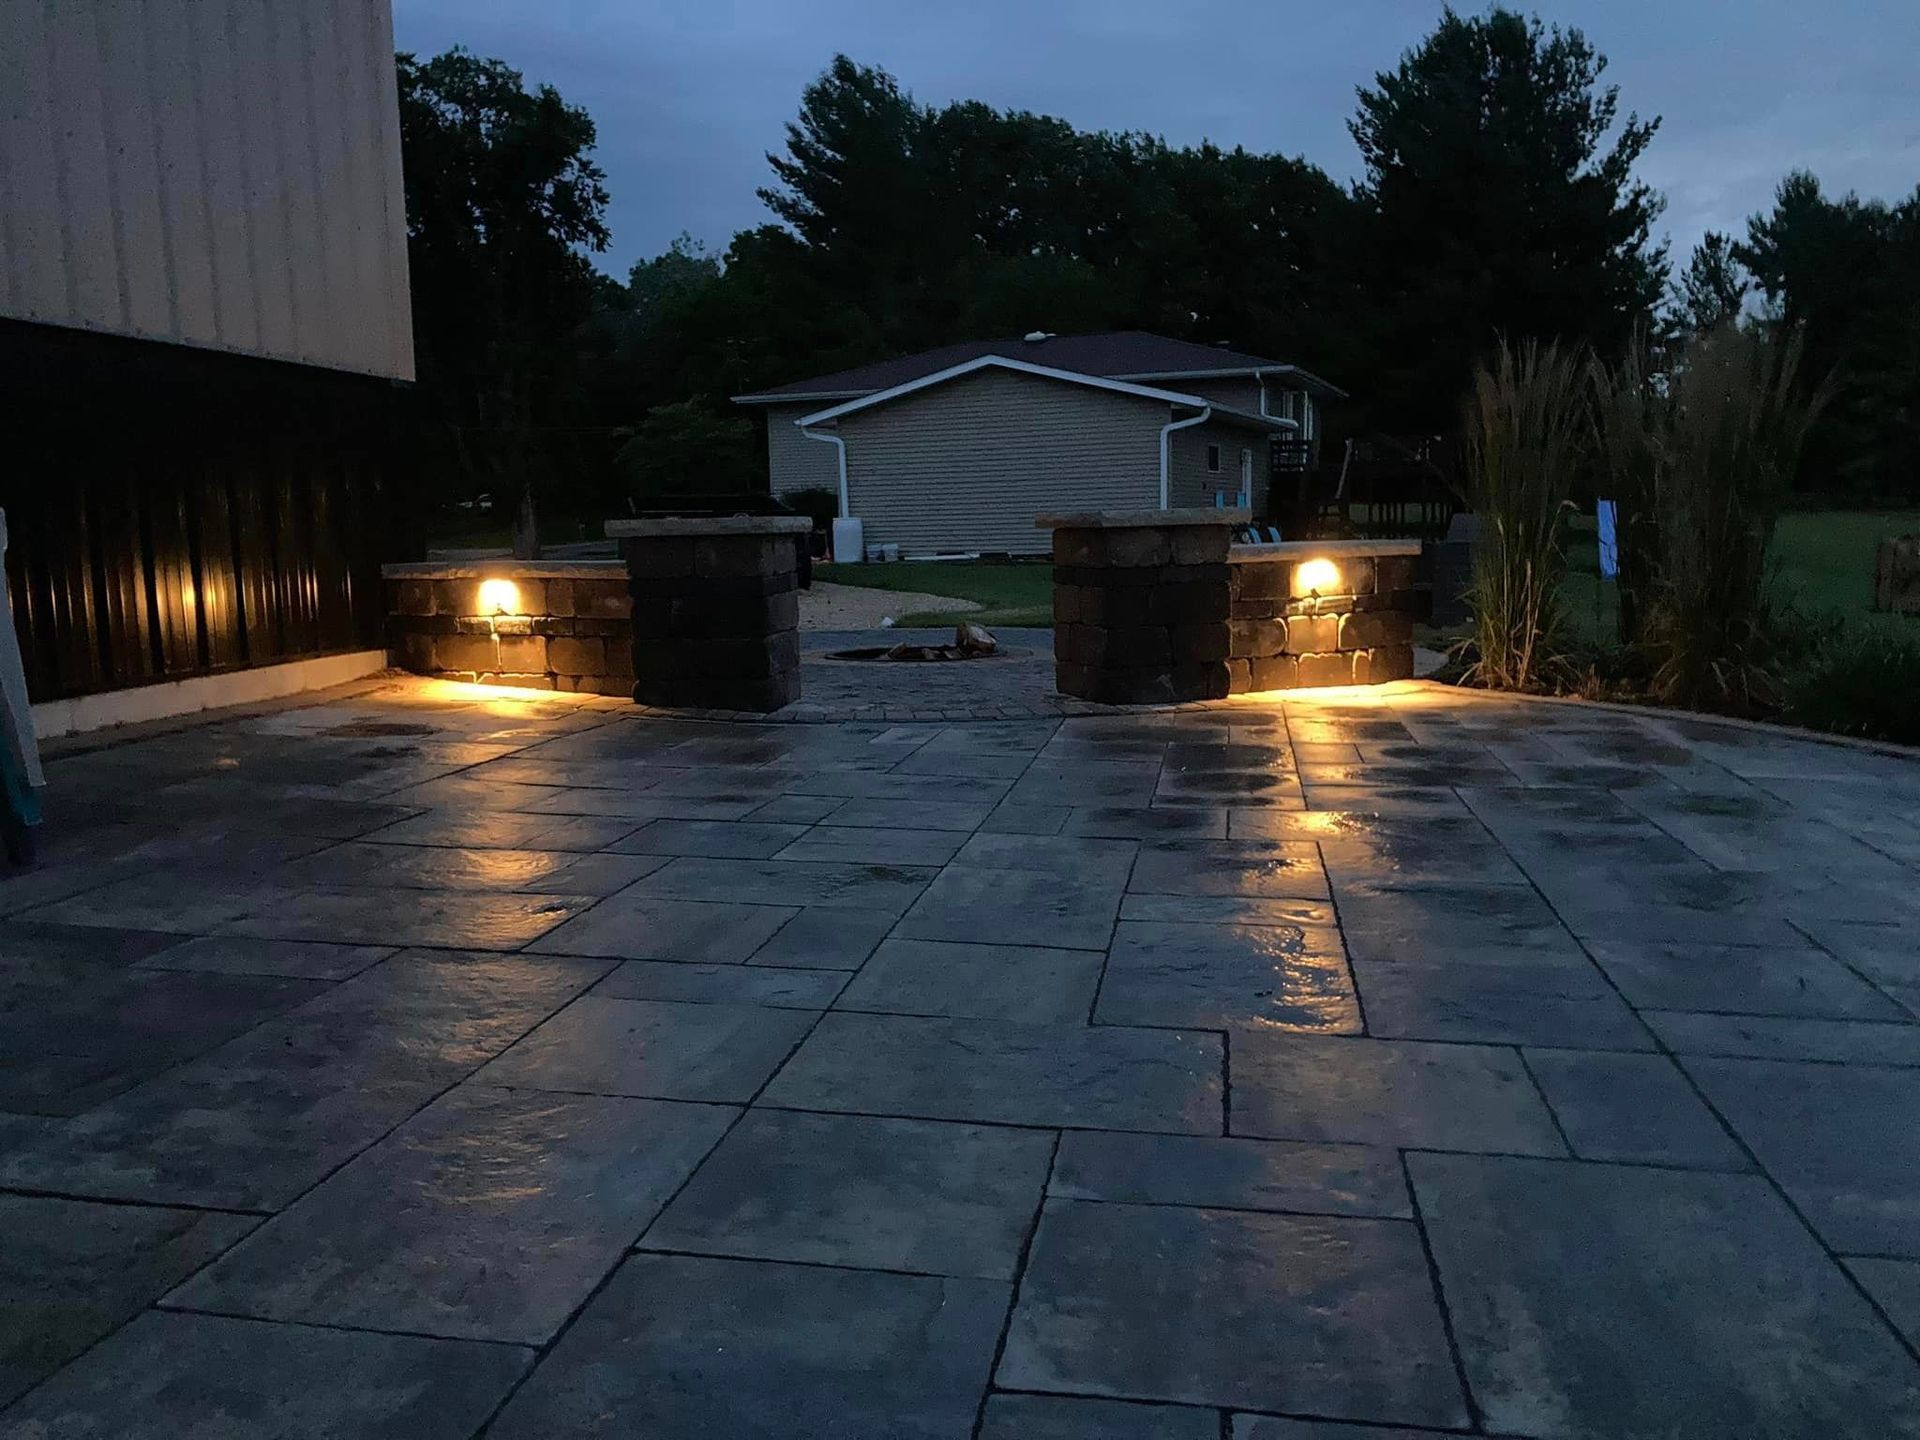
(85, 713)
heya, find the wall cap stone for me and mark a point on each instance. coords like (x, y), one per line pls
(707, 525)
(1318, 549)
(1141, 519)
(505, 570)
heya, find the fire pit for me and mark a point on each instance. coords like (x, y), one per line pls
(970, 642)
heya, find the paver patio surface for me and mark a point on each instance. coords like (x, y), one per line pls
(423, 1062)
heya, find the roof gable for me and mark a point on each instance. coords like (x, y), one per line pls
(1066, 377)
(997, 362)
(1130, 355)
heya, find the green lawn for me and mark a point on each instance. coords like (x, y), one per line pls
(1825, 561)
(1825, 558)
(1011, 594)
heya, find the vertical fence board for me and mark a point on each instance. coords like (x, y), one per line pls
(178, 512)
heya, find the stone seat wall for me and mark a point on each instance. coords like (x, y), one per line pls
(1360, 633)
(1162, 607)
(565, 627)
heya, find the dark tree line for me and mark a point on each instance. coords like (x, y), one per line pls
(1498, 200)
(1845, 275)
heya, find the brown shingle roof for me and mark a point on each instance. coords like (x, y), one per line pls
(1112, 354)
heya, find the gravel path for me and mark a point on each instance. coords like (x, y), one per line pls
(855, 607)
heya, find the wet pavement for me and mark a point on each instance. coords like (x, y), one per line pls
(427, 1063)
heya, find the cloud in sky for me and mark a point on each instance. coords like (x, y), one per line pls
(689, 95)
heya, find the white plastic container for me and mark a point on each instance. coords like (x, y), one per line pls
(849, 541)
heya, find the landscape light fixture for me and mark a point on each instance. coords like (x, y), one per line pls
(499, 597)
(1315, 578)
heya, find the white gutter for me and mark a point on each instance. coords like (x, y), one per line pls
(1166, 449)
(841, 446)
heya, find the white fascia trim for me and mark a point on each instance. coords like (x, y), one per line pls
(1254, 370)
(1000, 362)
(841, 446)
(807, 399)
(1266, 422)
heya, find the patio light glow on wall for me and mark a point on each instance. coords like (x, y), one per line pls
(1315, 578)
(499, 597)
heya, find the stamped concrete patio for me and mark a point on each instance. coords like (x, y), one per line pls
(424, 1064)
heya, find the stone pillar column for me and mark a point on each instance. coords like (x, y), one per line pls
(1141, 604)
(715, 610)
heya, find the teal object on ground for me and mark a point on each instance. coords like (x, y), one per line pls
(22, 803)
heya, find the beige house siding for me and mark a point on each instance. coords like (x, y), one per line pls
(1244, 394)
(224, 175)
(968, 465)
(1193, 484)
(793, 461)
(1238, 391)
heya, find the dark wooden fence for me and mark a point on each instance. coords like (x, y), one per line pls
(179, 512)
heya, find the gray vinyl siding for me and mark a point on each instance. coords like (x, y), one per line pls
(1240, 392)
(968, 465)
(224, 175)
(1193, 484)
(793, 461)
(1243, 393)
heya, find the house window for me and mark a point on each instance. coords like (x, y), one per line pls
(1213, 459)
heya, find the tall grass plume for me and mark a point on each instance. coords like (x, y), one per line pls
(1527, 435)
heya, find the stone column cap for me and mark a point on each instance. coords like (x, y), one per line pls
(705, 525)
(1141, 519)
(505, 570)
(1321, 549)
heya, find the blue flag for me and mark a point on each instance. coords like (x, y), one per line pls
(1609, 541)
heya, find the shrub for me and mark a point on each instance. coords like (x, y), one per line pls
(1858, 679)
(822, 506)
(1527, 437)
(1727, 442)
(1631, 415)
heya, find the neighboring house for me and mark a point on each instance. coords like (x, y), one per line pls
(204, 333)
(958, 449)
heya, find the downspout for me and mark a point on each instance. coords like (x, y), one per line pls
(1166, 449)
(841, 446)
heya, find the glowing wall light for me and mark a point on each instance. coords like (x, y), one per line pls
(499, 597)
(1316, 577)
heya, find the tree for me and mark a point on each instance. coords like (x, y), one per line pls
(938, 225)
(1844, 276)
(646, 334)
(688, 448)
(1712, 289)
(1499, 206)
(857, 189)
(502, 201)
(678, 274)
